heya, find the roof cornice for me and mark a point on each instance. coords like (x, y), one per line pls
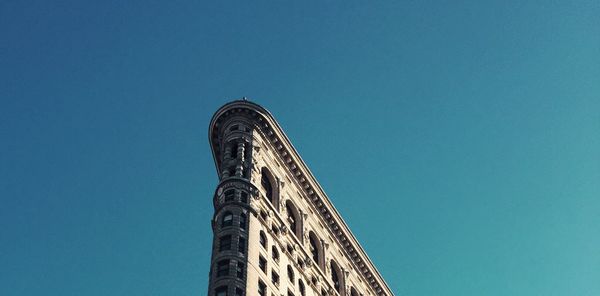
(306, 180)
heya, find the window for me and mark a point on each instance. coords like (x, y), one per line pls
(263, 215)
(229, 195)
(262, 264)
(242, 245)
(353, 292)
(335, 278)
(314, 250)
(239, 292)
(274, 278)
(223, 268)
(221, 291)
(290, 293)
(292, 217)
(275, 229)
(301, 288)
(266, 185)
(290, 273)
(262, 288)
(263, 239)
(227, 219)
(243, 221)
(240, 270)
(234, 151)
(244, 197)
(275, 253)
(225, 243)
(234, 128)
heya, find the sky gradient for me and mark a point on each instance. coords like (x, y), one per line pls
(460, 140)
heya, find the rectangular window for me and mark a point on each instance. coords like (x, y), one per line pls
(223, 268)
(290, 293)
(240, 270)
(242, 245)
(229, 194)
(221, 291)
(243, 221)
(262, 264)
(262, 288)
(225, 243)
(239, 292)
(274, 278)
(244, 197)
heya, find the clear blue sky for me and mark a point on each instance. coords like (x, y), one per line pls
(469, 131)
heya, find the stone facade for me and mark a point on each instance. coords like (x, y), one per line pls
(275, 230)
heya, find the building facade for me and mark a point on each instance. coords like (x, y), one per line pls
(275, 230)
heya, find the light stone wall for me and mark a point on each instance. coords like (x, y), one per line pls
(245, 153)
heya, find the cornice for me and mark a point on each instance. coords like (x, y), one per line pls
(273, 132)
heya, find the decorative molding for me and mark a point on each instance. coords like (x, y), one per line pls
(272, 132)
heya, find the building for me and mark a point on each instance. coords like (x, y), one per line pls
(275, 230)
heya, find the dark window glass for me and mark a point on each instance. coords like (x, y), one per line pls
(242, 245)
(314, 250)
(262, 288)
(234, 151)
(225, 243)
(301, 288)
(290, 293)
(243, 221)
(334, 277)
(274, 278)
(291, 218)
(239, 292)
(262, 264)
(266, 185)
(227, 219)
(290, 273)
(229, 195)
(244, 197)
(240, 270)
(222, 268)
(221, 291)
(274, 253)
(263, 239)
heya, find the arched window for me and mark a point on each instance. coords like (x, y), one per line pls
(274, 253)
(263, 239)
(315, 249)
(293, 218)
(265, 182)
(243, 221)
(290, 273)
(301, 288)
(353, 292)
(335, 277)
(227, 219)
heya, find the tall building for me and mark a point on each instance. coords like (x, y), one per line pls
(275, 230)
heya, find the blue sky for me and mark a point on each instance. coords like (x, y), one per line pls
(469, 131)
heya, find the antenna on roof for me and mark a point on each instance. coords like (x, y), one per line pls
(244, 98)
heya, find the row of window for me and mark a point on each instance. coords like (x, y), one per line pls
(230, 195)
(315, 244)
(227, 220)
(225, 244)
(316, 256)
(224, 291)
(223, 268)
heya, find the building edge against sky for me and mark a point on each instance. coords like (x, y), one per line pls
(275, 231)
